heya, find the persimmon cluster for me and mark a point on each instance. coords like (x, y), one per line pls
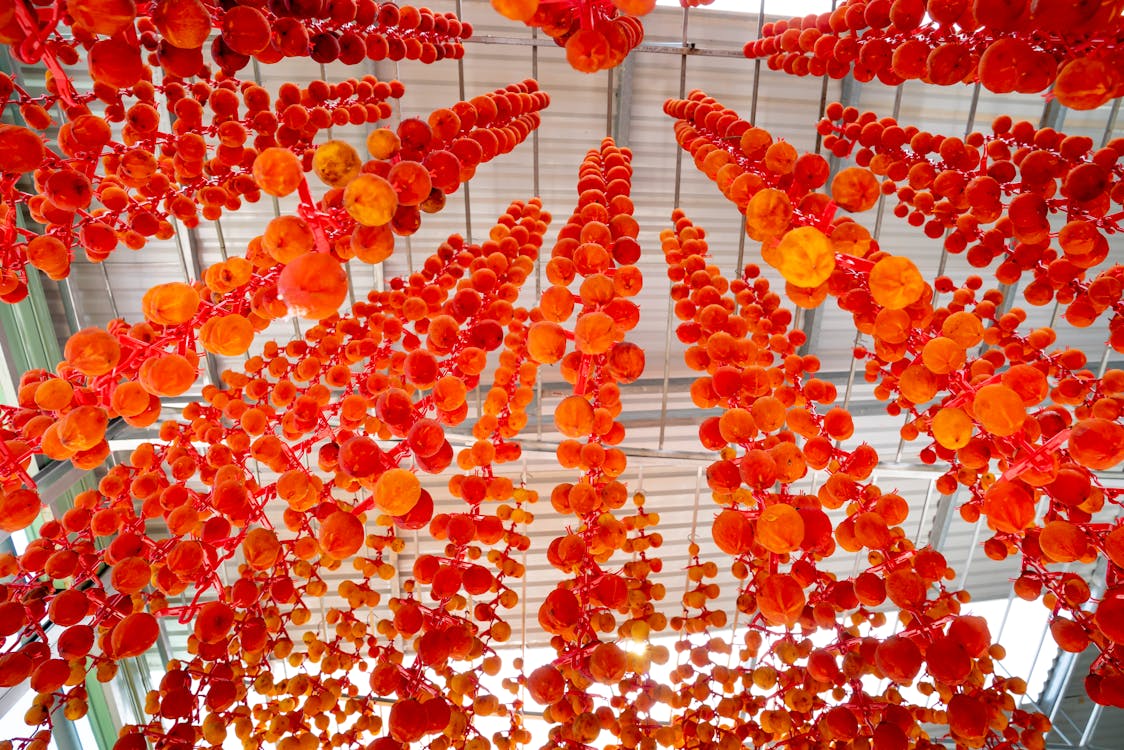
(1033, 409)
(116, 37)
(94, 190)
(596, 34)
(123, 371)
(598, 247)
(977, 405)
(777, 190)
(1014, 179)
(769, 435)
(99, 191)
(295, 267)
(1005, 45)
(306, 401)
(302, 471)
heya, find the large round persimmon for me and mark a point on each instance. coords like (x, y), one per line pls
(397, 491)
(93, 351)
(277, 171)
(313, 286)
(341, 535)
(733, 532)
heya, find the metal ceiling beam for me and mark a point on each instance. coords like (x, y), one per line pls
(811, 320)
(1057, 682)
(969, 125)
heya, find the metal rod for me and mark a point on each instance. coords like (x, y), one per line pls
(757, 68)
(324, 77)
(182, 256)
(924, 510)
(898, 93)
(901, 440)
(971, 124)
(70, 305)
(1111, 124)
(682, 93)
(535, 143)
(823, 99)
(191, 262)
(1038, 653)
(851, 372)
(1104, 363)
(467, 187)
(678, 188)
(609, 104)
(535, 186)
(740, 268)
(971, 554)
(350, 283)
(1094, 716)
(222, 238)
(1006, 615)
(109, 291)
(694, 518)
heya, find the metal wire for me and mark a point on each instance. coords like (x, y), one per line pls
(898, 93)
(678, 187)
(969, 124)
(757, 68)
(222, 238)
(823, 99)
(70, 305)
(972, 106)
(609, 82)
(109, 291)
(535, 140)
(924, 510)
(467, 188)
(739, 269)
(851, 372)
(1111, 124)
(535, 185)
